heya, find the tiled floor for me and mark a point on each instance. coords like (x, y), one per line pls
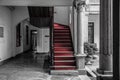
(24, 67)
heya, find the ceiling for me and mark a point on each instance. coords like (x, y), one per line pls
(40, 16)
(36, 2)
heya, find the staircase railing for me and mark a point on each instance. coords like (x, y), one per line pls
(51, 43)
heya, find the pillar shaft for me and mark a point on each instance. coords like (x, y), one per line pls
(106, 37)
(80, 29)
(80, 56)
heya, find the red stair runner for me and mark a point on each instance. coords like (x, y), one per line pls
(63, 49)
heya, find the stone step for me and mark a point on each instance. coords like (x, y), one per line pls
(65, 72)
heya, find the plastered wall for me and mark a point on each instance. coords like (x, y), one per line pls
(61, 15)
(8, 20)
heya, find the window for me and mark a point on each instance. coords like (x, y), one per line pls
(91, 32)
(18, 36)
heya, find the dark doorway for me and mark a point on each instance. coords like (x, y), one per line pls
(33, 40)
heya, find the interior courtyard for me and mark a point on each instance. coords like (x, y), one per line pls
(58, 40)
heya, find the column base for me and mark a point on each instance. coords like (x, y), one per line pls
(104, 72)
(104, 75)
(80, 61)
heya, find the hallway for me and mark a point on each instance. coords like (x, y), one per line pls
(24, 67)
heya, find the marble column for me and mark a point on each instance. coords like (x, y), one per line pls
(80, 56)
(106, 40)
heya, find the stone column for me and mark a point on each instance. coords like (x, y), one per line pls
(80, 56)
(106, 40)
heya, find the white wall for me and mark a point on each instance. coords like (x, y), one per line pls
(61, 15)
(6, 41)
(43, 44)
(18, 15)
(95, 19)
(9, 20)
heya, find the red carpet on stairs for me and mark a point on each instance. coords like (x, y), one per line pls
(63, 49)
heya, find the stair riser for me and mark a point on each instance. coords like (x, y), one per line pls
(64, 64)
(61, 29)
(63, 49)
(69, 68)
(61, 38)
(58, 31)
(62, 41)
(62, 54)
(63, 45)
(64, 58)
(62, 34)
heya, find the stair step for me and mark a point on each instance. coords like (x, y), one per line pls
(65, 68)
(62, 41)
(64, 58)
(62, 44)
(63, 37)
(63, 49)
(64, 61)
(64, 72)
(60, 28)
(62, 33)
(64, 54)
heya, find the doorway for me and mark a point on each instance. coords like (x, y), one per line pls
(33, 39)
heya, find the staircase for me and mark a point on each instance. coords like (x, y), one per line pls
(63, 50)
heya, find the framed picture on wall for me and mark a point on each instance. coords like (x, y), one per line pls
(1, 32)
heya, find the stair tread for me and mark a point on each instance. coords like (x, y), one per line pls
(63, 56)
(63, 66)
(64, 51)
(64, 61)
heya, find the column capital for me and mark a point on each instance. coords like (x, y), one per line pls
(80, 5)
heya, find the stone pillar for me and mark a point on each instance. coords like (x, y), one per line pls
(106, 40)
(80, 56)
